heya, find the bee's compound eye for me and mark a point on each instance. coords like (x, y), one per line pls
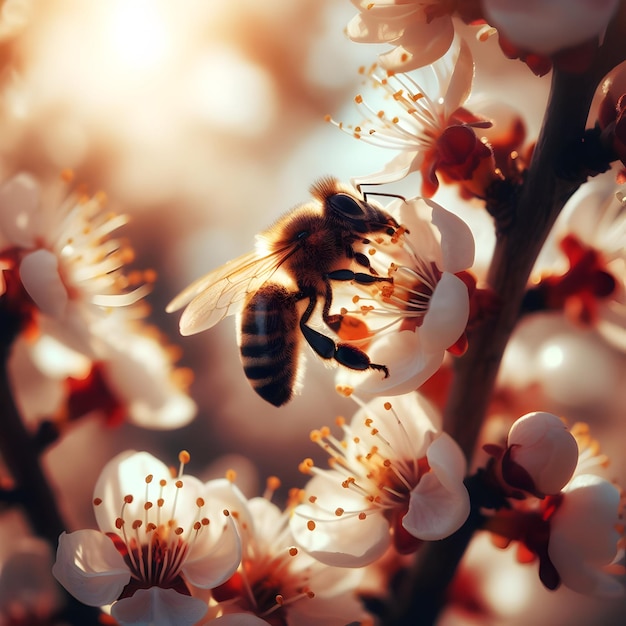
(345, 205)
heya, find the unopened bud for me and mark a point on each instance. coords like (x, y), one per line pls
(541, 454)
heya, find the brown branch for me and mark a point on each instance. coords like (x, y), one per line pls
(555, 173)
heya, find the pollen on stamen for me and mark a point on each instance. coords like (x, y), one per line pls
(340, 421)
(315, 436)
(362, 516)
(358, 99)
(273, 483)
(306, 465)
(178, 530)
(310, 525)
(339, 511)
(149, 478)
(179, 484)
(312, 499)
(344, 390)
(293, 551)
(387, 406)
(231, 475)
(137, 524)
(128, 499)
(97, 501)
(147, 506)
(200, 502)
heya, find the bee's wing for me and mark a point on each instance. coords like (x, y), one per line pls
(213, 297)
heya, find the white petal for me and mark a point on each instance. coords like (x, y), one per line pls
(158, 607)
(440, 504)
(409, 366)
(345, 541)
(19, 204)
(418, 417)
(583, 536)
(90, 568)
(461, 79)
(39, 272)
(215, 557)
(457, 241)
(399, 167)
(422, 44)
(447, 314)
(124, 475)
(139, 370)
(547, 27)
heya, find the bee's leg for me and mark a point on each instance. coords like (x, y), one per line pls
(343, 353)
(358, 277)
(334, 321)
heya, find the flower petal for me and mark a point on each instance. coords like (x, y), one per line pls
(345, 541)
(90, 568)
(583, 536)
(409, 366)
(19, 203)
(440, 504)
(124, 475)
(158, 607)
(457, 241)
(547, 27)
(39, 272)
(447, 314)
(215, 556)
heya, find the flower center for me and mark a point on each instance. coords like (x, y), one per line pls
(155, 547)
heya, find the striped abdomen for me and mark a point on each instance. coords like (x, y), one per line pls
(269, 342)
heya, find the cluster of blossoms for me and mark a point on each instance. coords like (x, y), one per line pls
(171, 549)
(558, 508)
(82, 344)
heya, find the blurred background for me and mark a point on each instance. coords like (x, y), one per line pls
(204, 120)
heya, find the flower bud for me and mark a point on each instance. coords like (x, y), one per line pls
(541, 454)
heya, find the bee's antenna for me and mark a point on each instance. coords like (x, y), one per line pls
(382, 194)
(377, 193)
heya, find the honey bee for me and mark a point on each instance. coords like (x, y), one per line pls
(311, 245)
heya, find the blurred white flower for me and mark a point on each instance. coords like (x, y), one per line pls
(159, 534)
(65, 276)
(583, 535)
(15, 15)
(544, 27)
(427, 125)
(575, 533)
(420, 31)
(590, 234)
(395, 477)
(28, 592)
(409, 322)
(66, 258)
(276, 580)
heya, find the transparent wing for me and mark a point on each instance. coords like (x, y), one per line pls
(213, 297)
(202, 283)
